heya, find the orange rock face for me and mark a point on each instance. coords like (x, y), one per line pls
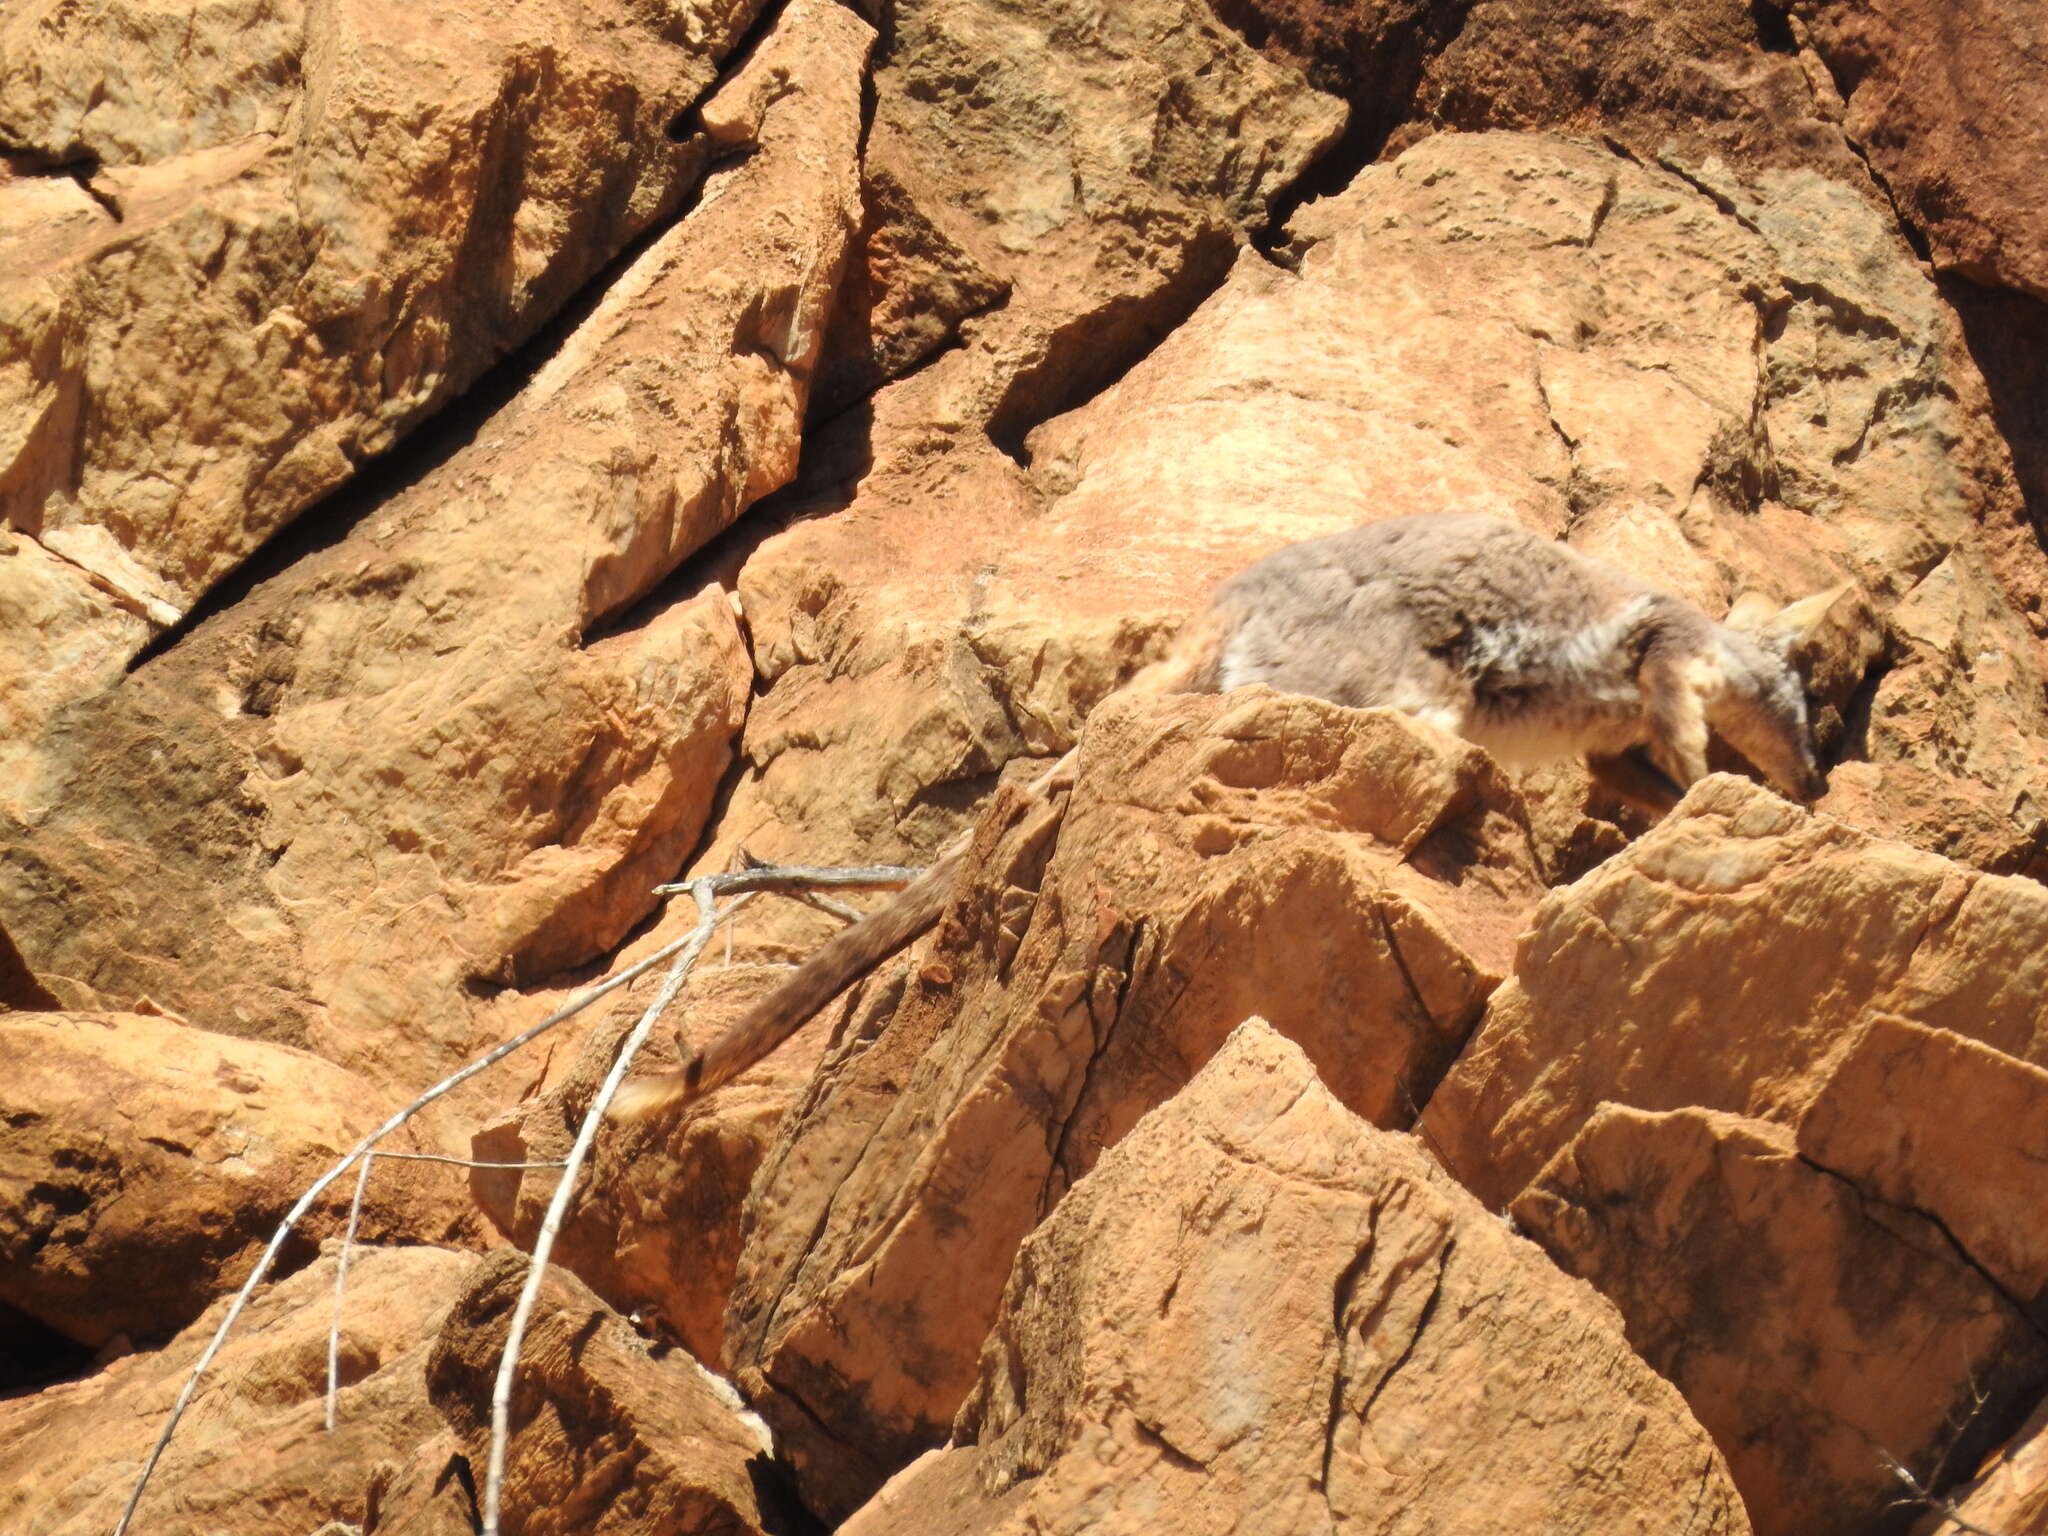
(1819, 1336)
(1166, 1356)
(1723, 961)
(464, 466)
(1355, 877)
(179, 1162)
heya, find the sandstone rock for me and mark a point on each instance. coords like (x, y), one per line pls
(1945, 101)
(319, 223)
(1101, 177)
(1671, 363)
(1353, 876)
(252, 1454)
(1721, 961)
(655, 1229)
(1934, 1122)
(457, 747)
(144, 1165)
(907, 289)
(1814, 1331)
(1699, 78)
(1165, 1356)
(604, 1437)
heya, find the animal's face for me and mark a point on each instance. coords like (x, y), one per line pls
(1763, 715)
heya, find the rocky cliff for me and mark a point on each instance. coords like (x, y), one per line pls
(462, 466)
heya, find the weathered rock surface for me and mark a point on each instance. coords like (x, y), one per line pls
(451, 749)
(604, 1438)
(1673, 365)
(1353, 876)
(1935, 1122)
(252, 1454)
(1814, 1331)
(1166, 1357)
(134, 1146)
(1697, 78)
(1101, 179)
(303, 228)
(1945, 99)
(1722, 961)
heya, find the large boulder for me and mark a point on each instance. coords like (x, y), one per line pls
(1823, 1336)
(259, 242)
(1353, 876)
(457, 748)
(1724, 961)
(1258, 1312)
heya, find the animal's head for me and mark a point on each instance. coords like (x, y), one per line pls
(1762, 712)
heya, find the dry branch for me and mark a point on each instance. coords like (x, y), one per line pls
(765, 878)
(558, 1207)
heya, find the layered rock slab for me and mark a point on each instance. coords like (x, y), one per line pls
(1819, 1334)
(1353, 876)
(1166, 1353)
(145, 1164)
(1723, 961)
(604, 1438)
(253, 1454)
(455, 749)
(313, 225)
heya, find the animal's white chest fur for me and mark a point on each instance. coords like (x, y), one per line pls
(1542, 693)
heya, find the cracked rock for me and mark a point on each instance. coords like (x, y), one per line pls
(1818, 1333)
(1721, 961)
(1352, 876)
(1259, 1313)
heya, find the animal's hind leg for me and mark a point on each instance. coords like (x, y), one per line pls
(1675, 711)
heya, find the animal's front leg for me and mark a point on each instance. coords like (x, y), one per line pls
(1674, 692)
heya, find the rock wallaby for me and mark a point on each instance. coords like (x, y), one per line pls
(1516, 643)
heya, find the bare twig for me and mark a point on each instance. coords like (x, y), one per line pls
(551, 1224)
(348, 1241)
(766, 878)
(461, 1162)
(845, 911)
(297, 1213)
(1945, 1507)
(785, 877)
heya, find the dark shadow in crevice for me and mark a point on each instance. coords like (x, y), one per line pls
(2007, 335)
(1368, 55)
(1774, 32)
(431, 444)
(436, 439)
(783, 1511)
(33, 1356)
(1093, 352)
(1851, 742)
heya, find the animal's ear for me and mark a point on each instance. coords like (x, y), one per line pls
(1783, 628)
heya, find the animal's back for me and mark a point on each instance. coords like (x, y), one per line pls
(1512, 640)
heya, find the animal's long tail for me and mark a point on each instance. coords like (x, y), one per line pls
(847, 955)
(855, 950)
